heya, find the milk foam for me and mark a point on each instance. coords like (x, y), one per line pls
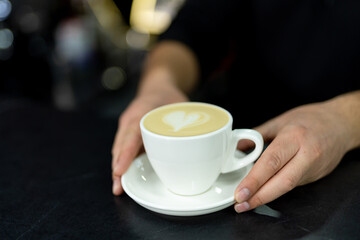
(179, 120)
(185, 119)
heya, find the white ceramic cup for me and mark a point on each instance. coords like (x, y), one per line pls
(191, 165)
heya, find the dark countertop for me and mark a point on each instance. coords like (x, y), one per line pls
(55, 183)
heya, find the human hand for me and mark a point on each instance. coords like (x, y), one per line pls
(308, 142)
(128, 143)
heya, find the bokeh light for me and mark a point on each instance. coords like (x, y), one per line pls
(137, 40)
(145, 18)
(6, 44)
(5, 9)
(113, 78)
(29, 21)
(6, 38)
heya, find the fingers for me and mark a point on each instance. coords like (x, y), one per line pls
(127, 142)
(127, 146)
(272, 161)
(127, 137)
(284, 181)
(117, 188)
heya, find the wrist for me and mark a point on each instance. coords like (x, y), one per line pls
(347, 107)
(159, 87)
(176, 62)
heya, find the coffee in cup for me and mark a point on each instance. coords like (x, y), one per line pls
(185, 120)
(190, 144)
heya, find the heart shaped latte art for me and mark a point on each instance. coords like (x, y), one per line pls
(179, 120)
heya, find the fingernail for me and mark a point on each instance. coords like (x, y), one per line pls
(242, 207)
(116, 186)
(243, 195)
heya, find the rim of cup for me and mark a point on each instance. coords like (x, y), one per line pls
(142, 127)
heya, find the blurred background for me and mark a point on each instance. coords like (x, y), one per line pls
(78, 54)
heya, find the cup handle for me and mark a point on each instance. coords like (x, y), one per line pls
(233, 163)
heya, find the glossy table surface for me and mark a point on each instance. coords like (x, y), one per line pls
(55, 183)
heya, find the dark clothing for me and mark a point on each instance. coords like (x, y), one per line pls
(275, 55)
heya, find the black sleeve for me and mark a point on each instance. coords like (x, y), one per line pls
(205, 26)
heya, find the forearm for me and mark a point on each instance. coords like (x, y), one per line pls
(348, 107)
(169, 66)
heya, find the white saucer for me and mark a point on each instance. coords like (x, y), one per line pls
(142, 184)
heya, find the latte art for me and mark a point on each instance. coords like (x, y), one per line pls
(186, 119)
(179, 120)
